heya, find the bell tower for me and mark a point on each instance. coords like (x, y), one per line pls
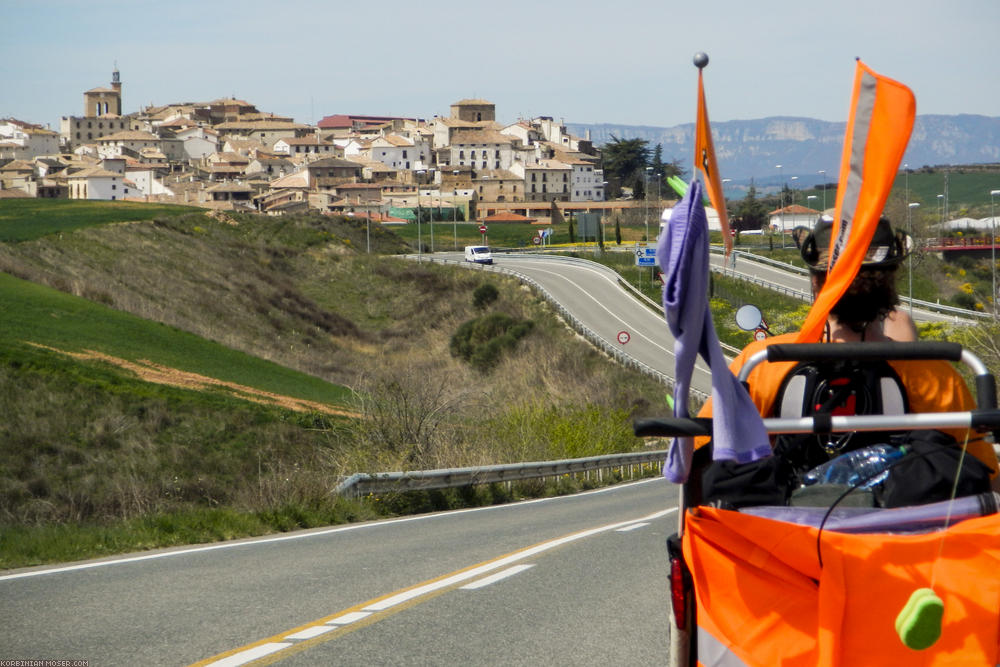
(104, 101)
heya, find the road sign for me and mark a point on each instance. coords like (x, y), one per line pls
(536, 240)
(759, 334)
(482, 229)
(623, 337)
(645, 256)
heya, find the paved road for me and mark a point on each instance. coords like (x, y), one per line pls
(592, 294)
(799, 282)
(579, 580)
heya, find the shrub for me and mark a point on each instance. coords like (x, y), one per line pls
(482, 341)
(484, 295)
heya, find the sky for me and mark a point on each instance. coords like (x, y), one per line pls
(581, 61)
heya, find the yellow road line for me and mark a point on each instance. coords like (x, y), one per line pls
(287, 643)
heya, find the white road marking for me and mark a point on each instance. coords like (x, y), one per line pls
(299, 535)
(349, 617)
(311, 632)
(272, 645)
(251, 654)
(633, 527)
(447, 582)
(493, 578)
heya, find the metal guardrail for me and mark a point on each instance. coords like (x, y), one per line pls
(362, 484)
(926, 305)
(746, 277)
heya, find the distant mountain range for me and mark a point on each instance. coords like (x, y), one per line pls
(749, 149)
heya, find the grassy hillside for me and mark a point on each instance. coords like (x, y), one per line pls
(98, 453)
(25, 219)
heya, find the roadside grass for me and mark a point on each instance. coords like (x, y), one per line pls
(27, 219)
(22, 546)
(33, 545)
(93, 456)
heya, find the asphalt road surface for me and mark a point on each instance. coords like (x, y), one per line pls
(575, 580)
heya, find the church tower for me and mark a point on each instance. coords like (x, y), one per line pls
(104, 101)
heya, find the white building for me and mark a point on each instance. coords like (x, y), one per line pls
(586, 182)
(198, 142)
(147, 181)
(308, 145)
(480, 149)
(397, 151)
(790, 217)
(549, 180)
(24, 141)
(97, 183)
(128, 141)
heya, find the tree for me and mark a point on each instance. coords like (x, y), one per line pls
(750, 212)
(624, 163)
(618, 231)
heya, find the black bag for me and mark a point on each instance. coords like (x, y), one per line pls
(732, 485)
(839, 387)
(926, 474)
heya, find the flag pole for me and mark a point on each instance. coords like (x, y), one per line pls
(704, 156)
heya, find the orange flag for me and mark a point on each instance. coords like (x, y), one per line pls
(704, 161)
(878, 129)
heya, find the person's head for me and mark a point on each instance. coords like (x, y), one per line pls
(872, 295)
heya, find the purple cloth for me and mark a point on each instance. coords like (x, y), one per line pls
(738, 431)
(915, 518)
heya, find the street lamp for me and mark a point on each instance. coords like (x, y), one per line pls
(940, 199)
(909, 262)
(823, 172)
(993, 246)
(420, 238)
(808, 197)
(645, 192)
(781, 204)
(454, 208)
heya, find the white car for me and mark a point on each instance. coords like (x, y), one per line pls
(480, 254)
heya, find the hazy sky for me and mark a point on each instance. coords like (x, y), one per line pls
(583, 61)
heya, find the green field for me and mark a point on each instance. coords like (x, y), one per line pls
(38, 314)
(25, 219)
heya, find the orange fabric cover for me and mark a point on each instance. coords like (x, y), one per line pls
(760, 591)
(704, 161)
(878, 129)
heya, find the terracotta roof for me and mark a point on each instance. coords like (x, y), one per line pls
(483, 136)
(795, 209)
(129, 135)
(333, 162)
(395, 140)
(229, 187)
(261, 125)
(18, 165)
(507, 216)
(95, 172)
(296, 180)
(311, 140)
(548, 165)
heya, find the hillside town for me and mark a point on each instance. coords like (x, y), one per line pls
(227, 154)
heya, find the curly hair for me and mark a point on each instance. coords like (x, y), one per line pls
(871, 297)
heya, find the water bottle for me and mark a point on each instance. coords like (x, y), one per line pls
(867, 463)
